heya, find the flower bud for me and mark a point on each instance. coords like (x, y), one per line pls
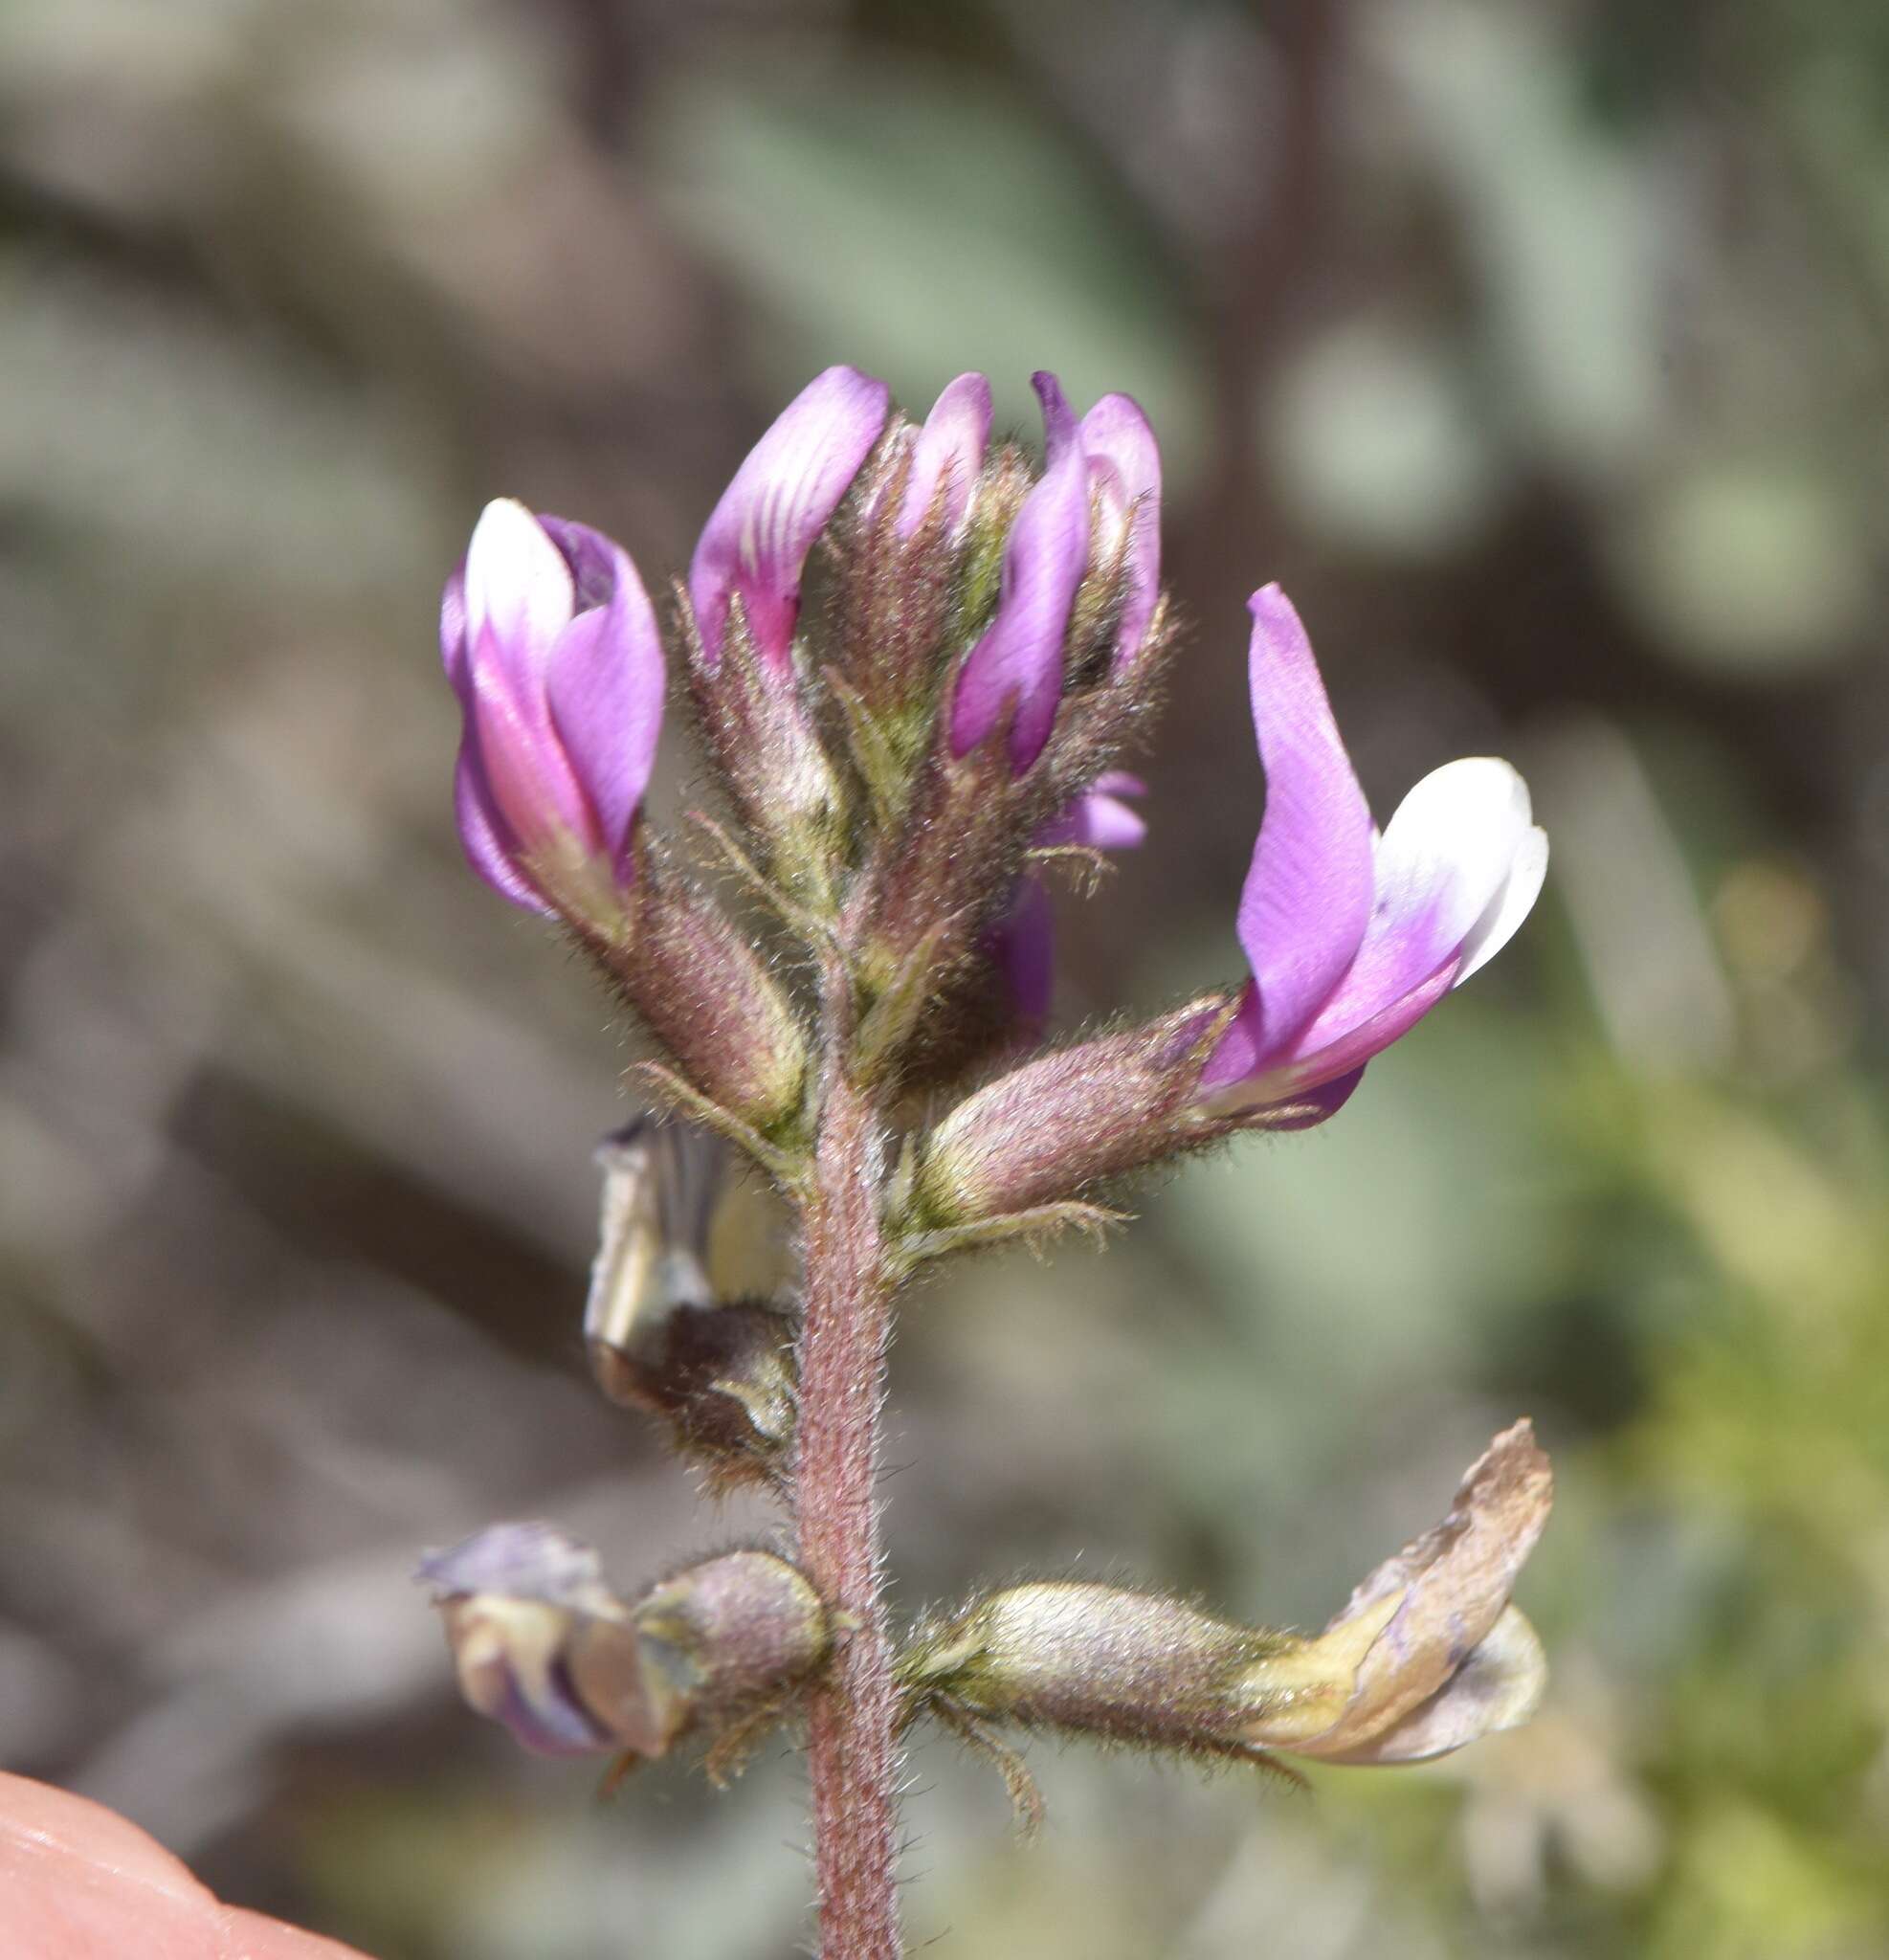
(551, 646)
(681, 1231)
(1428, 1655)
(1064, 1121)
(541, 1644)
(744, 608)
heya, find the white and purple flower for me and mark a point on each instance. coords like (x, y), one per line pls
(551, 644)
(1353, 937)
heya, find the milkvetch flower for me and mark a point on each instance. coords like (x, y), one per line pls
(1124, 481)
(1095, 510)
(551, 646)
(1352, 936)
(946, 454)
(755, 544)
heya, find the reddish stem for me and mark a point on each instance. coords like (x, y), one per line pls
(851, 1750)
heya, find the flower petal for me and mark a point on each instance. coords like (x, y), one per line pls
(518, 595)
(453, 649)
(605, 686)
(1099, 818)
(1444, 861)
(1451, 1585)
(484, 835)
(524, 768)
(1307, 899)
(757, 538)
(1124, 467)
(1499, 1686)
(949, 449)
(1018, 663)
(1509, 908)
(1022, 949)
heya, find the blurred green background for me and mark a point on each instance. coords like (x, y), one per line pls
(1540, 350)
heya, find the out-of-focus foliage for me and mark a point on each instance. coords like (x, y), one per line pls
(1542, 351)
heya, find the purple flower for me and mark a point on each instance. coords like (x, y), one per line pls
(550, 644)
(1016, 668)
(1022, 945)
(948, 450)
(756, 541)
(1354, 937)
(1124, 482)
(1100, 494)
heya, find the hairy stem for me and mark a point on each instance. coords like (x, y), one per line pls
(851, 1751)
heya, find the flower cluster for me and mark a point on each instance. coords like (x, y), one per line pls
(916, 663)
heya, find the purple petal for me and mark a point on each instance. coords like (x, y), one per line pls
(482, 834)
(756, 538)
(1319, 1105)
(523, 764)
(1308, 895)
(949, 449)
(1124, 468)
(1351, 1046)
(1098, 818)
(1061, 431)
(590, 555)
(542, 1713)
(605, 686)
(1022, 947)
(1019, 659)
(453, 649)
(1102, 820)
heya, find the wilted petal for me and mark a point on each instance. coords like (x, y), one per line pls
(1445, 1593)
(508, 1657)
(511, 1597)
(1499, 1686)
(1124, 467)
(527, 1560)
(1017, 666)
(948, 449)
(605, 686)
(1307, 900)
(757, 538)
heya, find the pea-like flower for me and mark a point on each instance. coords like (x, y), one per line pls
(1353, 937)
(551, 645)
(755, 544)
(1094, 512)
(946, 453)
